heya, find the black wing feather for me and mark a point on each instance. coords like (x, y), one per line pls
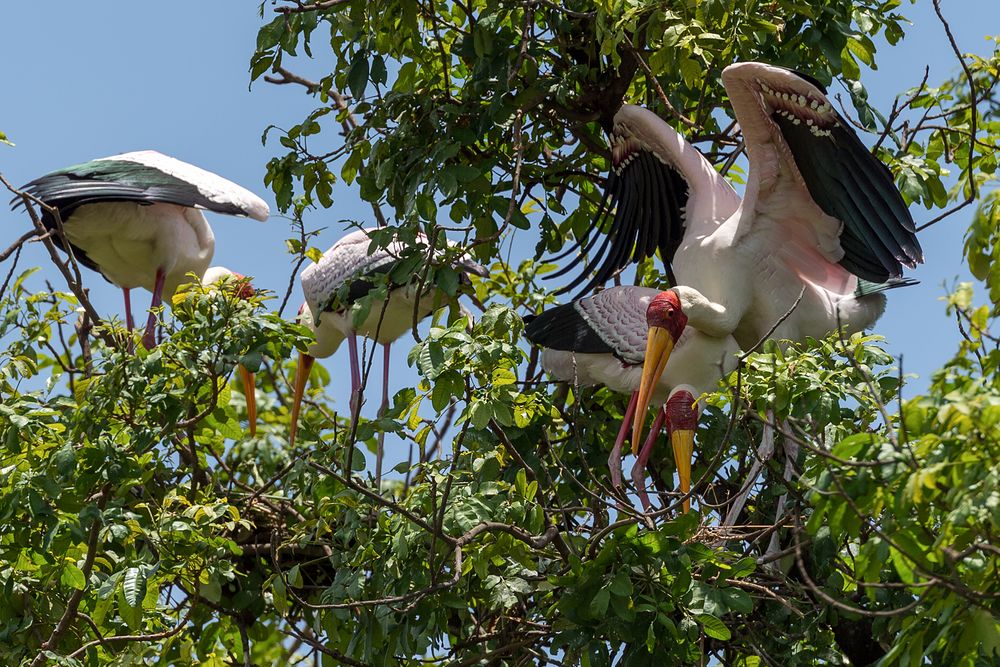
(564, 328)
(852, 185)
(647, 199)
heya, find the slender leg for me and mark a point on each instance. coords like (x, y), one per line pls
(615, 460)
(764, 454)
(639, 469)
(352, 349)
(381, 413)
(149, 337)
(129, 322)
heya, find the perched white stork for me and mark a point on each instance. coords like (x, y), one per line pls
(136, 219)
(601, 339)
(820, 213)
(344, 274)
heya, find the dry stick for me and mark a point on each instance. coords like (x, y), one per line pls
(973, 191)
(319, 5)
(298, 265)
(10, 272)
(156, 636)
(897, 109)
(16, 246)
(319, 647)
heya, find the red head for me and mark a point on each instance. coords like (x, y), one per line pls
(244, 288)
(665, 312)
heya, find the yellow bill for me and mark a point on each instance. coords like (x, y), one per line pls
(250, 391)
(682, 440)
(301, 377)
(659, 345)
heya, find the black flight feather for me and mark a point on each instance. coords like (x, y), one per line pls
(849, 183)
(644, 204)
(564, 328)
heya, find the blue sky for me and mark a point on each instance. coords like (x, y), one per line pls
(84, 80)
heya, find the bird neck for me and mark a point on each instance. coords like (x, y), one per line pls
(707, 316)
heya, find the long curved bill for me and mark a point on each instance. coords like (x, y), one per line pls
(682, 441)
(302, 370)
(250, 391)
(659, 345)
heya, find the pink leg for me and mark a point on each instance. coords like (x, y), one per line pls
(639, 469)
(615, 460)
(149, 337)
(352, 349)
(381, 412)
(129, 322)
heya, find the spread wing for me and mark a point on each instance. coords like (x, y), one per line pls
(813, 179)
(660, 188)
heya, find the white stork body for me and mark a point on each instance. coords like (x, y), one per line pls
(344, 266)
(135, 218)
(126, 239)
(820, 212)
(346, 273)
(601, 340)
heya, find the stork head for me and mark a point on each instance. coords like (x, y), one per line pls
(666, 321)
(217, 275)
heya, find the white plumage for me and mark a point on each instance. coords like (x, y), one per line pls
(348, 261)
(819, 213)
(602, 340)
(750, 259)
(218, 190)
(346, 273)
(129, 241)
(134, 217)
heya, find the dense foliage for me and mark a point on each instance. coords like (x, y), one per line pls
(140, 524)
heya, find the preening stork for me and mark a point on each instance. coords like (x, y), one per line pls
(346, 273)
(220, 276)
(136, 218)
(819, 215)
(601, 339)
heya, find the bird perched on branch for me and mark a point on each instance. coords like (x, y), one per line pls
(136, 218)
(819, 216)
(218, 276)
(602, 339)
(347, 273)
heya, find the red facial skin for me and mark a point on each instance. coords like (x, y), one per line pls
(244, 289)
(665, 311)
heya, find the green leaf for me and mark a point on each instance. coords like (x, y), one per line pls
(599, 605)
(378, 70)
(134, 586)
(357, 75)
(714, 628)
(73, 577)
